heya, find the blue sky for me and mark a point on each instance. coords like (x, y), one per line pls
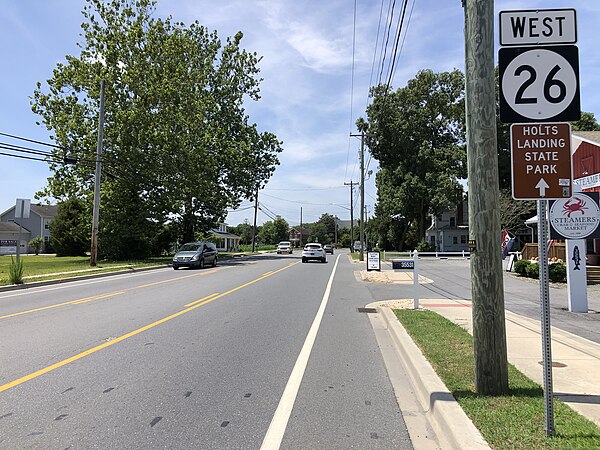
(307, 95)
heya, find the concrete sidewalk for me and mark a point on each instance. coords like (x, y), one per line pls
(576, 361)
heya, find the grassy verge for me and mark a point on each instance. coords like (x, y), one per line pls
(54, 267)
(512, 421)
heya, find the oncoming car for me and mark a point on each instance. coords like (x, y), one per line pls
(284, 247)
(328, 248)
(314, 250)
(196, 254)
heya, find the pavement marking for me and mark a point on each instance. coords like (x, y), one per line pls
(274, 436)
(202, 299)
(92, 350)
(72, 302)
(110, 294)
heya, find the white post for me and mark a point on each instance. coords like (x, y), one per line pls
(575, 252)
(416, 279)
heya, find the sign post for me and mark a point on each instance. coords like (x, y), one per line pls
(22, 211)
(539, 83)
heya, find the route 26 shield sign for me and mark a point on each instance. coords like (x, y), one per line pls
(577, 217)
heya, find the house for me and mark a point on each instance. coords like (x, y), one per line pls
(449, 232)
(38, 223)
(225, 241)
(9, 235)
(298, 236)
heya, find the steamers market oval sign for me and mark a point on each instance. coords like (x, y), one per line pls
(577, 217)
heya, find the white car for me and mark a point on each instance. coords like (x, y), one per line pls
(314, 250)
(284, 247)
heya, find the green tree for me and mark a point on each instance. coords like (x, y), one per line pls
(244, 231)
(587, 122)
(281, 230)
(36, 243)
(70, 229)
(417, 135)
(178, 144)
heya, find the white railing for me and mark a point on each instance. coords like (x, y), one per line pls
(409, 254)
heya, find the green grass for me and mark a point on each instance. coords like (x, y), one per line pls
(512, 421)
(50, 264)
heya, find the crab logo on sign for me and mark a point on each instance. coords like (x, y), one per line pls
(577, 217)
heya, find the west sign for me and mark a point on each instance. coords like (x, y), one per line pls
(541, 161)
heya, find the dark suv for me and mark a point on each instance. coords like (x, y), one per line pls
(196, 254)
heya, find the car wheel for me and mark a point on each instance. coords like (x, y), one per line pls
(303, 260)
(175, 267)
(324, 260)
(214, 264)
(201, 263)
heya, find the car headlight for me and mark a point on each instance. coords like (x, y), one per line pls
(174, 258)
(195, 258)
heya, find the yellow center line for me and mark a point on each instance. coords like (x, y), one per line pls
(101, 296)
(202, 299)
(72, 302)
(97, 297)
(92, 350)
(268, 273)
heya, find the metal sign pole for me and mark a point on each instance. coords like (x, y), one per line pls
(545, 318)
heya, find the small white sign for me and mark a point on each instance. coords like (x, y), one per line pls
(538, 27)
(373, 261)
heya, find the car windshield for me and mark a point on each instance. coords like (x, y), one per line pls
(190, 247)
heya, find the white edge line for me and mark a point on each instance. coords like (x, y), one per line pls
(282, 414)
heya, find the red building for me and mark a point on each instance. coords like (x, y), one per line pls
(586, 173)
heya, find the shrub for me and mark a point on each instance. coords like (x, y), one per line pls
(557, 272)
(15, 271)
(424, 246)
(533, 271)
(36, 244)
(521, 267)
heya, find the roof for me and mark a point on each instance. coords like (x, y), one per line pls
(588, 135)
(44, 210)
(39, 209)
(531, 220)
(10, 227)
(223, 234)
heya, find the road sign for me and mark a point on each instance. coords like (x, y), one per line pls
(541, 161)
(538, 27)
(539, 84)
(577, 217)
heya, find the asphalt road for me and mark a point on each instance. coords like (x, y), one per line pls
(262, 350)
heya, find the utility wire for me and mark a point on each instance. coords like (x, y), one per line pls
(404, 38)
(398, 33)
(32, 141)
(391, 19)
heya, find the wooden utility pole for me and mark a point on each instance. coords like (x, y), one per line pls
(96, 211)
(487, 290)
(351, 184)
(254, 225)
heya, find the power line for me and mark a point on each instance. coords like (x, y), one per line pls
(399, 32)
(32, 141)
(390, 15)
(405, 32)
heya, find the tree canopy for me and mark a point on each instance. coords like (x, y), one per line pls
(178, 145)
(417, 135)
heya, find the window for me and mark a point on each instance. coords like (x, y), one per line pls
(46, 226)
(453, 222)
(455, 239)
(463, 238)
(46, 239)
(432, 239)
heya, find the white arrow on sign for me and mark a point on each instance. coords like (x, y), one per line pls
(542, 186)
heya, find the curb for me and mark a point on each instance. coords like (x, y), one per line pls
(15, 287)
(441, 409)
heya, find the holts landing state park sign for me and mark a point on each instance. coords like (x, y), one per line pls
(541, 161)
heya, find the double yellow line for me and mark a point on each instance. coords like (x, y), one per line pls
(107, 295)
(194, 305)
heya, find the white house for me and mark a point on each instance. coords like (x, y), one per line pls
(225, 241)
(449, 232)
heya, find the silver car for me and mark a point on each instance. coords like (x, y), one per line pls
(196, 254)
(314, 250)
